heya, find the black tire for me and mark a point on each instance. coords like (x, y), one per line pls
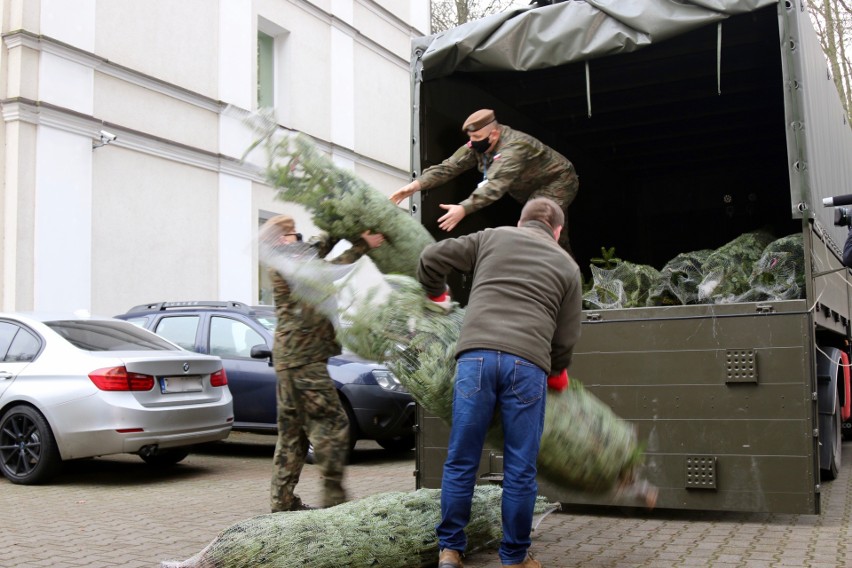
(835, 439)
(398, 444)
(28, 451)
(165, 458)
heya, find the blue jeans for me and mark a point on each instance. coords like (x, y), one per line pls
(488, 381)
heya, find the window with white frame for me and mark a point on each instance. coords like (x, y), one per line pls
(272, 68)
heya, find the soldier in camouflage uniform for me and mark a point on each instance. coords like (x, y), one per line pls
(510, 161)
(308, 405)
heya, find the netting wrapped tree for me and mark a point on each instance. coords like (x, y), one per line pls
(779, 273)
(627, 285)
(388, 530)
(679, 280)
(728, 268)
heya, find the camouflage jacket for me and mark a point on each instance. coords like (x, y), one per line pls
(302, 334)
(520, 165)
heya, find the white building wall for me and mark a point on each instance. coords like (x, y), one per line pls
(154, 230)
(63, 222)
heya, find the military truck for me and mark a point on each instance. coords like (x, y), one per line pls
(688, 126)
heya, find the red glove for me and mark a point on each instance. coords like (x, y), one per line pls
(558, 382)
(442, 301)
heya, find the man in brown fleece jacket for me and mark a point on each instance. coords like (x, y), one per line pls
(518, 334)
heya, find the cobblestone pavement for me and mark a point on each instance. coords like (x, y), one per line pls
(117, 511)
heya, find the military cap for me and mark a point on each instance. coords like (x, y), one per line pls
(478, 120)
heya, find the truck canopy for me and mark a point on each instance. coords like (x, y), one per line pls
(535, 38)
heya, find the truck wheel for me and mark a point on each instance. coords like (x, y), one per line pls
(831, 470)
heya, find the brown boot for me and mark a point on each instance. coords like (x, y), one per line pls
(449, 559)
(529, 562)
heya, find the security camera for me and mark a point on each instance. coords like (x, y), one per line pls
(105, 138)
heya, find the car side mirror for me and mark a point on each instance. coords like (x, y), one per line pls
(261, 351)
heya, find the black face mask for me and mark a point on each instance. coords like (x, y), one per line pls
(480, 145)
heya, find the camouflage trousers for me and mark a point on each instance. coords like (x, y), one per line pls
(309, 408)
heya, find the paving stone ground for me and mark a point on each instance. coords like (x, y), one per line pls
(118, 512)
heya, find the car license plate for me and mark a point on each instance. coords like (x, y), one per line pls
(170, 385)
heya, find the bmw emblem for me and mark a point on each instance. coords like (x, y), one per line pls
(186, 367)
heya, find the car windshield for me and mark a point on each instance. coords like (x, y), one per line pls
(97, 335)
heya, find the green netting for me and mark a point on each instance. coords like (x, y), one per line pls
(779, 273)
(679, 280)
(727, 269)
(627, 285)
(388, 530)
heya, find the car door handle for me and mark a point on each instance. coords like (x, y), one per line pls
(5, 375)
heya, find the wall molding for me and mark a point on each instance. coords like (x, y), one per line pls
(46, 114)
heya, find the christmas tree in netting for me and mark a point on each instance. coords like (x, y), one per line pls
(627, 285)
(727, 269)
(388, 530)
(679, 280)
(779, 273)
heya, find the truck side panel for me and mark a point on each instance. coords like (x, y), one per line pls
(730, 392)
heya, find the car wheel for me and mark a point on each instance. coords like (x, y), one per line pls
(165, 458)
(28, 450)
(398, 444)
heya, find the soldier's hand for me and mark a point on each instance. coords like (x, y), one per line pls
(405, 191)
(453, 216)
(372, 239)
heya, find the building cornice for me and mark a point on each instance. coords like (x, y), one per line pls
(46, 114)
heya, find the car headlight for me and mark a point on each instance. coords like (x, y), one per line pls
(388, 381)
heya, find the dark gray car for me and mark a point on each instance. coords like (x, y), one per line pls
(378, 406)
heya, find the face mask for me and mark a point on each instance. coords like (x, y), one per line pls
(480, 145)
